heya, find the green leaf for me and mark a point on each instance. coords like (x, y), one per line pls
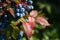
(45, 36)
(15, 33)
(48, 7)
(34, 38)
(41, 5)
(23, 38)
(38, 26)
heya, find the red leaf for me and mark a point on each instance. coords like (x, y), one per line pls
(42, 21)
(31, 21)
(27, 29)
(24, 4)
(33, 13)
(32, 24)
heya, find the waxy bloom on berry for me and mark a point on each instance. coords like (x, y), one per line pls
(42, 21)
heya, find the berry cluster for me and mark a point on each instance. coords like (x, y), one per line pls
(3, 21)
(21, 11)
(16, 9)
(22, 8)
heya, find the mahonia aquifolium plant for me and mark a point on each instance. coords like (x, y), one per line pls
(19, 9)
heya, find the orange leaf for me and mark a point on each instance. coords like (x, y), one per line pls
(11, 11)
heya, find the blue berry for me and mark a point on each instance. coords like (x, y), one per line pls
(0, 7)
(30, 7)
(26, 12)
(5, 16)
(30, 2)
(17, 10)
(11, 0)
(2, 37)
(26, 20)
(21, 15)
(20, 5)
(24, 0)
(0, 23)
(18, 14)
(22, 10)
(20, 35)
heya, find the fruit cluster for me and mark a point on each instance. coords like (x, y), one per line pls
(22, 11)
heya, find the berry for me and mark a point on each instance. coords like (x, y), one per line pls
(11, 0)
(17, 10)
(20, 35)
(0, 23)
(20, 5)
(21, 15)
(22, 10)
(2, 37)
(5, 16)
(18, 14)
(24, 0)
(29, 7)
(32, 7)
(30, 2)
(26, 12)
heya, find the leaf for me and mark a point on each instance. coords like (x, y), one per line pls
(45, 36)
(38, 26)
(23, 38)
(16, 1)
(31, 21)
(42, 21)
(27, 29)
(15, 33)
(11, 11)
(34, 38)
(8, 1)
(33, 13)
(48, 8)
(41, 5)
(7, 34)
(24, 4)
